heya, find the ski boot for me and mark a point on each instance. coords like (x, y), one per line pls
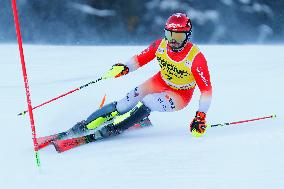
(106, 113)
(122, 122)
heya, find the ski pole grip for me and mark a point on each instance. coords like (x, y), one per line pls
(117, 70)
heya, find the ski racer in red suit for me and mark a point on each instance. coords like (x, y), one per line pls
(182, 67)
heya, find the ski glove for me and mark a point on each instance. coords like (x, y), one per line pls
(117, 70)
(198, 124)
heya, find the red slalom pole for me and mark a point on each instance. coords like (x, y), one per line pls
(243, 121)
(19, 38)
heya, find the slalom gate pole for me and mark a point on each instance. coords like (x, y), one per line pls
(243, 121)
(65, 94)
(30, 110)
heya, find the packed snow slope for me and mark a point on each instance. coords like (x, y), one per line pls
(247, 83)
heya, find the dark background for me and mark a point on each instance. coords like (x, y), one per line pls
(126, 22)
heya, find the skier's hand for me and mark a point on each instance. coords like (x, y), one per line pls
(117, 70)
(198, 124)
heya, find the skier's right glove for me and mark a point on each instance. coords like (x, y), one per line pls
(117, 70)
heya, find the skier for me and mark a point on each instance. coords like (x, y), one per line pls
(182, 67)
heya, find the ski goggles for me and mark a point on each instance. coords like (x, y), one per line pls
(177, 36)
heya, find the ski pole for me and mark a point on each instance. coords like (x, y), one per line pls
(112, 73)
(242, 121)
(65, 94)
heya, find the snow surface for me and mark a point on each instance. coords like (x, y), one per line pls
(247, 80)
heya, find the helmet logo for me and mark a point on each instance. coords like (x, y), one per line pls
(173, 25)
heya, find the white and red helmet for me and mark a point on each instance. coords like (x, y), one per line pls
(178, 22)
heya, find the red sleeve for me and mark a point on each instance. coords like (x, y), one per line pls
(201, 74)
(148, 54)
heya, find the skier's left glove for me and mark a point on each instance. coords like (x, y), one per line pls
(117, 70)
(198, 124)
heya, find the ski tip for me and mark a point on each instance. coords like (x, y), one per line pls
(42, 142)
(39, 147)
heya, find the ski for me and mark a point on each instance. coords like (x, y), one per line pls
(77, 129)
(62, 145)
(67, 144)
(144, 123)
(47, 140)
